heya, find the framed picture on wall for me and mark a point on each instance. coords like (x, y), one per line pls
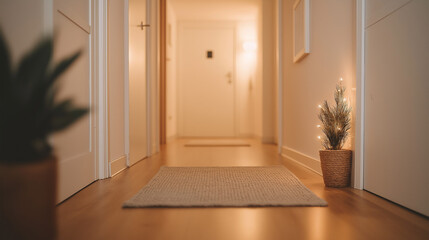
(301, 29)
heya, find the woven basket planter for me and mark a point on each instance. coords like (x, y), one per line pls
(336, 167)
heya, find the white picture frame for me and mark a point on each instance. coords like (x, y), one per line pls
(301, 29)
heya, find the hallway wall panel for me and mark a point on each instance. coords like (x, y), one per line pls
(310, 81)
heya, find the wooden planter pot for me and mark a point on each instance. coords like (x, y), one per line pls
(27, 202)
(336, 167)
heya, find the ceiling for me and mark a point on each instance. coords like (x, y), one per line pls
(216, 9)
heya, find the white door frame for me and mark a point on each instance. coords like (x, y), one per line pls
(148, 78)
(279, 76)
(360, 96)
(360, 90)
(99, 29)
(126, 84)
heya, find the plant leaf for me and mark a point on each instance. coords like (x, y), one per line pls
(29, 103)
(5, 63)
(65, 114)
(62, 66)
(34, 65)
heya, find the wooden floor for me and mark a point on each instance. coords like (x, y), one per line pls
(96, 212)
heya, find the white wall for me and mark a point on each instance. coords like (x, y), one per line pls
(258, 86)
(116, 83)
(264, 108)
(171, 111)
(245, 73)
(23, 23)
(269, 70)
(312, 80)
(397, 102)
(216, 10)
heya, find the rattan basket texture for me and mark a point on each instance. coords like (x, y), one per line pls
(336, 167)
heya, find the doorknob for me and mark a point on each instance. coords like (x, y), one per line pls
(141, 25)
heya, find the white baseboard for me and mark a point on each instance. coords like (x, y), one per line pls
(302, 159)
(118, 165)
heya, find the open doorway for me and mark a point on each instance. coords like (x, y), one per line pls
(213, 63)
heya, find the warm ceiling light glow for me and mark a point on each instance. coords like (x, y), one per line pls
(249, 46)
(318, 126)
(341, 79)
(319, 137)
(320, 106)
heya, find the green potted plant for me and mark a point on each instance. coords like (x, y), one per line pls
(30, 113)
(335, 161)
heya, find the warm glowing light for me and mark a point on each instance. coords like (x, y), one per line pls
(320, 106)
(318, 126)
(319, 137)
(341, 79)
(345, 99)
(250, 46)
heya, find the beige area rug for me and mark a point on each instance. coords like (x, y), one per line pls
(224, 187)
(217, 143)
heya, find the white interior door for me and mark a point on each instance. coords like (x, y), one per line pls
(397, 102)
(137, 81)
(75, 147)
(206, 81)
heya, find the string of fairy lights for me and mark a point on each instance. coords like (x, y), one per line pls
(343, 102)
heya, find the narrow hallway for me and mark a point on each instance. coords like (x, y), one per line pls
(96, 212)
(153, 74)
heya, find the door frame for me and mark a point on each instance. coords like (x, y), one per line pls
(100, 53)
(358, 166)
(279, 76)
(163, 72)
(126, 84)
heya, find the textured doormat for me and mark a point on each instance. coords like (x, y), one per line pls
(217, 143)
(224, 187)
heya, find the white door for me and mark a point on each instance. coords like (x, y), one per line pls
(75, 147)
(397, 102)
(137, 81)
(206, 81)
